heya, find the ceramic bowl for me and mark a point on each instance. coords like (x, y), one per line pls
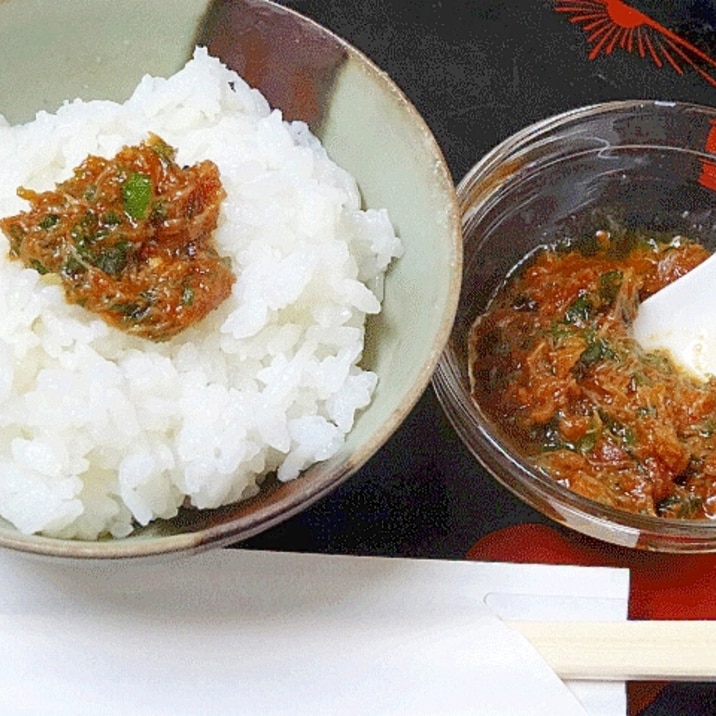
(649, 163)
(101, 50)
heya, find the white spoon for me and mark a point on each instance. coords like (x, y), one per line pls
(681, 319)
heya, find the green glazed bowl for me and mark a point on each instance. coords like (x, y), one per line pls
(52, 50)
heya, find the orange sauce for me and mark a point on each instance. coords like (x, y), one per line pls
(555, 367)
(131, 239)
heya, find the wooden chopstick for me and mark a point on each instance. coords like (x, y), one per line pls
(627, 650)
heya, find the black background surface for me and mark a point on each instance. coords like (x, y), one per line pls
(477, 70)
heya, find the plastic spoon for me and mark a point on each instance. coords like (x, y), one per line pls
(681, 319)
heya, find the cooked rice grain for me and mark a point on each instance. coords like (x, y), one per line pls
(100, 431)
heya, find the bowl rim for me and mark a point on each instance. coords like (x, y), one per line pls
(492, 452)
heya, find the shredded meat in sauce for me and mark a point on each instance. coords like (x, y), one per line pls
(554, 364)
(131, 239)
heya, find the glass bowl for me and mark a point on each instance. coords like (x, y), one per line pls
(647, 162)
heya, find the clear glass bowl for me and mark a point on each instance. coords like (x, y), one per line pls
(645, 161)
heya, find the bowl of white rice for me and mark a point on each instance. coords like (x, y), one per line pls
(341, 228)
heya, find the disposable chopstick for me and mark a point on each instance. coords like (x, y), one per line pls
(627, 650)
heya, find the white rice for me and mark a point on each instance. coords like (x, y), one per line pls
(101, 431)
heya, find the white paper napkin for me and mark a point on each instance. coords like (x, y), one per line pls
(242, 632)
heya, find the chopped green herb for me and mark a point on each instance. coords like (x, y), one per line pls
(588, 441)
(73, 267)
(524, 303)
(136, 195)
(112, 218)
(609, 284)
(159, 212)
(187, 296)
(49, 221)
(558, 331)
(133, 312)
(551, 436)
(113, 259)
(678, 506)
(579, 311)
(624, 434)
(597, 350)
(37, 265)
(163, 150)
(707, 428)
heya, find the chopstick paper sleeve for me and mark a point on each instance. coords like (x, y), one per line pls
(662, 586)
